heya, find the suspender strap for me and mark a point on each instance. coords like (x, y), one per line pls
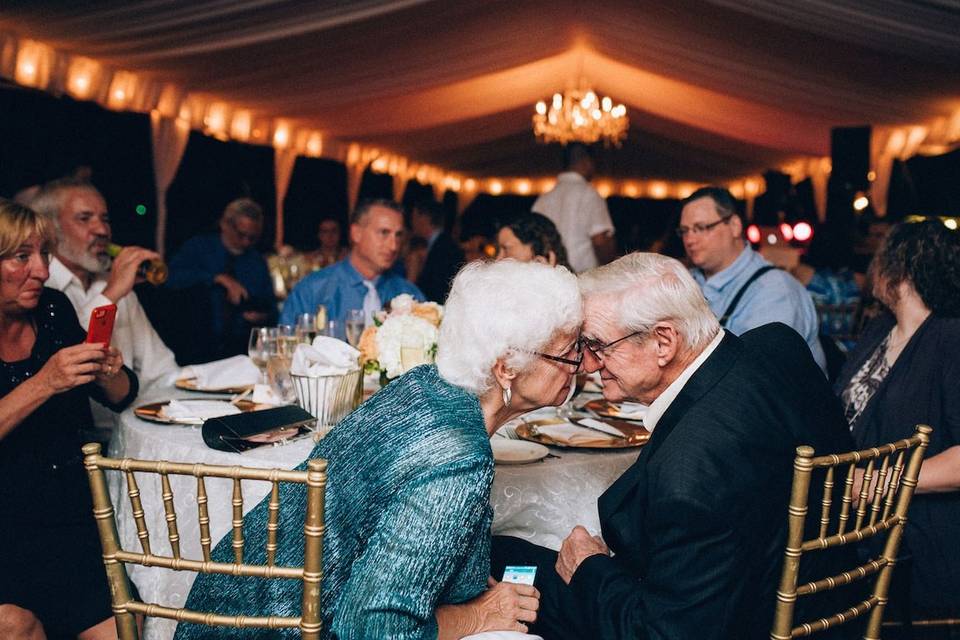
(736, 299)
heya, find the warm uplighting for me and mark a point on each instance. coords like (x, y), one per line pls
(786, 231)
(580, 116)
(281, 135)
(658, 190)
(523, 187)
(216, 119)
(470, 184)
(315, 145)
(240, 126)
(380, 165)
(122, 89)
(753, 234)
(496, 187)
(630, 190)
(604, 189)
(950, 223)
(27, 71)
(861, 202)
(802, 231)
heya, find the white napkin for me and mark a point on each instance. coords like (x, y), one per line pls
(196, 411)
(631, 410)
(602, 426)
(238, 371)
(265, 394)
(325, 357)
(571, 434)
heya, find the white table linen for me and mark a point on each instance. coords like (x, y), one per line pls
(540, 502)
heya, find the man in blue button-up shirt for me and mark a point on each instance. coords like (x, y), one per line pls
(363, 279)
(713, 237)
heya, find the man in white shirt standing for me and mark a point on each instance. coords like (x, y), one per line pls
(579, 212)
(81, 268)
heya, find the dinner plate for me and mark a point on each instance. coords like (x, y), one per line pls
(153, 411)
(606, 409)
(517, 451)
(637, 435)
(190, 384)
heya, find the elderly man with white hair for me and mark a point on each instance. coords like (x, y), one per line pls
(693, 533)
(406, 548)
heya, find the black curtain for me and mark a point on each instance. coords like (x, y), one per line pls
(375, 186)
(43, 137)
(645, 224)
(930, 185)
(414, 192)
(211, 174)
(487, 213)
(318, 190)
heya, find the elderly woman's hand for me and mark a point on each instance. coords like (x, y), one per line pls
(110, 366)
(506, 607)
(72, 366)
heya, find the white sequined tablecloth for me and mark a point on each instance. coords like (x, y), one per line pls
(540, 502)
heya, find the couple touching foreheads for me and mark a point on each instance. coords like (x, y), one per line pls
(692, 533)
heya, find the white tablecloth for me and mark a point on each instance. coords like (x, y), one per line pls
(540, 502)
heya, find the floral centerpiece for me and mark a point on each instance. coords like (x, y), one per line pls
(401, 337)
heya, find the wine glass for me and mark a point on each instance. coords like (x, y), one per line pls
(306, 327)
(263, 342)
(320, 318)
(287, 340)
(356, 323)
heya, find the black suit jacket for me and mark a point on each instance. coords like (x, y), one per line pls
(443, 261)
(698, 523)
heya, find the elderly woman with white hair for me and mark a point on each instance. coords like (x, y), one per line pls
(407, 543)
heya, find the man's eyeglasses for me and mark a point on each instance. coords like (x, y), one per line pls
(699, 228)
(597, 348)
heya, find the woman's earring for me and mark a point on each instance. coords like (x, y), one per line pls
(507, 395)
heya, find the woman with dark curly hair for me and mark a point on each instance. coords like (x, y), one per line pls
(532, 236)
(905, 371)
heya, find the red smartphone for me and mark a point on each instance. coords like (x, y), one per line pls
(101, 324)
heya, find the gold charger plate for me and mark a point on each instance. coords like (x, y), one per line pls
(606, 409)
(190, 384)
(151, 411)
(637, 438)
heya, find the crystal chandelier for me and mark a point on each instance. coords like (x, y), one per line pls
(580, 116)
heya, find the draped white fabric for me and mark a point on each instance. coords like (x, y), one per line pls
(283, 161)
(715, 90)
(169, 137)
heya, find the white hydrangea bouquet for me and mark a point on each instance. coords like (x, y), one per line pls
(401, 337)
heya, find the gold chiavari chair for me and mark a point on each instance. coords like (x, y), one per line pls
(888, 481)
(115, 558)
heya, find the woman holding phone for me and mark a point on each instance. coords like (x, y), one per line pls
(52, 581)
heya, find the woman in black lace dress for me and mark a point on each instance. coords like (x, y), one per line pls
(52, 581)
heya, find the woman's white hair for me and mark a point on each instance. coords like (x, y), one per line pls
(643, 289)
(504, 309)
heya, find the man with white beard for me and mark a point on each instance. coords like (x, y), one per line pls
(82, 269)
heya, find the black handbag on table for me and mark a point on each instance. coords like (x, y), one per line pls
(244, 431)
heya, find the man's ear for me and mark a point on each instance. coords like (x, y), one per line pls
(354, 234)
(667, 341)
(503, 374)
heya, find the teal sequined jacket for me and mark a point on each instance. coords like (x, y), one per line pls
(407, 521)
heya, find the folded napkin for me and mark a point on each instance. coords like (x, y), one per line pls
(630, 410)
(196, 411)
(325, 357)
(572, 435)
(266, 394)
(238, 371)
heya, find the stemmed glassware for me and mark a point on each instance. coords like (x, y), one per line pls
(356, 323)
(306, 328)
(262, 345)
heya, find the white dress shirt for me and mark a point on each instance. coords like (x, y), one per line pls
(659, 406)
(142, 349)
(579, 213)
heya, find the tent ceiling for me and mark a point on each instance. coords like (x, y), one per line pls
(714, 89)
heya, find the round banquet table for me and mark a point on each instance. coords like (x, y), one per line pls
(540, 502)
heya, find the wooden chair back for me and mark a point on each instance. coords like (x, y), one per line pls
(889, 476)
(125, 608)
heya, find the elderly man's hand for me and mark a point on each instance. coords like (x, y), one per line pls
(123, 272)
(236, 292)
(578, 546)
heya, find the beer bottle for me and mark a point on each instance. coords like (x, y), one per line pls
(153, 271)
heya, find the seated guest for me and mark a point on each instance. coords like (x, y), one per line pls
(532, 236)
(406, 547)
(741, 287)
(51, 572)
(232, 274)
(904, 371)
(698, 524)
(825, 271)
(444, 256)
(82, 270)
(331, 249)
(364, 279)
